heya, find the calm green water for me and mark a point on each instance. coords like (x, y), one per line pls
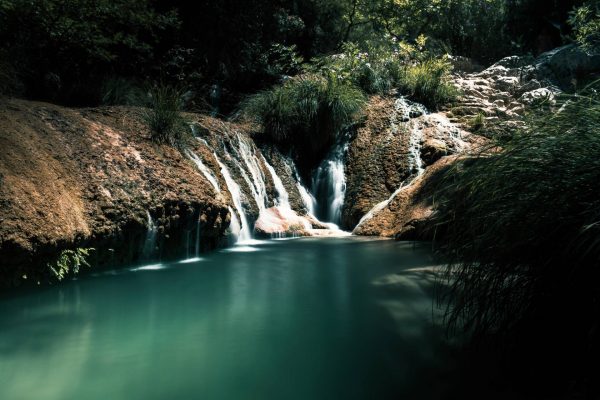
(302, 319)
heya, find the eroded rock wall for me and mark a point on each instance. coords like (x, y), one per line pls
(89, 178)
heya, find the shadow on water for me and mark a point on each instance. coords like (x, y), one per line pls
(300, 319)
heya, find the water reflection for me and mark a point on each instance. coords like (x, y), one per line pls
(303, 319)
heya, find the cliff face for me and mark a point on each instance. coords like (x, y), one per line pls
(89, 178)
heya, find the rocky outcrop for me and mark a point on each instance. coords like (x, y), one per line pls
(92, 178)
(504, 91)
(381, 193)
(407, 215)
(383, 154)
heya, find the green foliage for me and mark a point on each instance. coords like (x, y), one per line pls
(473, 28)
(64, 49)
(477, 123)
(374, 70)
(585, 21)
(283, 60)
(306, 111)
(521, 227)
(69, 262)
(163, 116)
(428, 82)
(384, 66)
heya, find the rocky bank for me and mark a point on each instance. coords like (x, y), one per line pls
(92, 178)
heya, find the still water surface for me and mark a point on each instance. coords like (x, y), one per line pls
(300, 319)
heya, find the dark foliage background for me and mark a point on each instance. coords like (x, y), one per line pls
(66, 50)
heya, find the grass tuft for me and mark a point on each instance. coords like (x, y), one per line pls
(520, 224)
(428, 82)
(307, 110)
(163, 116)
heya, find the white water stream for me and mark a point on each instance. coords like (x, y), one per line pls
(404, 111)
(240, 228)
(150, 241)
(329, 184)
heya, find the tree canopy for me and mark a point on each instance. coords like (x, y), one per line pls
(64, 50)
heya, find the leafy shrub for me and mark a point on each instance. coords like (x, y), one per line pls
(163, 116)
(413, 69)
(585, 21)
(306, 111)
(375, 70)
(283, 60)
(521, 225)
(69, 262)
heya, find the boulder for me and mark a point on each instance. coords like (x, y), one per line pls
(432, 150)
(281, 221)
(565, 65)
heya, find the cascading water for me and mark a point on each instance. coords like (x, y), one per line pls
(250, 165)
(404, 111)
(239, 228)
(204, 169)
(309, 201)
(150, 241)
(197, 247)
(283, 197)
(329, 183)
(257, 181)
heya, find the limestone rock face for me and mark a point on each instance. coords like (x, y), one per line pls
(382, 153)
(381, 192)
(92, 178)
(502, 91)
(407, 216)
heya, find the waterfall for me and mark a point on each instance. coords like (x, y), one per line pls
(404, 111)
(245, 162)
(197, 248)
(283, 199)
(308, 200)
(329, 183)
(204, 169)
(257, 183)
(244, 233)
(150, 241)
(234, 225)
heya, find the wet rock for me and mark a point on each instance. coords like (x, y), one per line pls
(432, 150)
(281, 222)
(379, 157)
(407, 215)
